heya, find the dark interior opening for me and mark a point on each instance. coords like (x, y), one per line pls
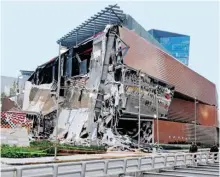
(79, 65)
(130, 128)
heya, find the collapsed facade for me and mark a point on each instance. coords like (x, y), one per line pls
(97, 91)
(108, 75)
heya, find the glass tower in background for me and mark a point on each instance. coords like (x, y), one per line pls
(176, 44)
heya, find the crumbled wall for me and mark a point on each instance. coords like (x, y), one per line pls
(38, 99)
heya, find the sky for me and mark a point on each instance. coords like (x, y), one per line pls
(29, 30)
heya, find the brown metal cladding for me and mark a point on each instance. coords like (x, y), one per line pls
(184, 111)
(155, 62)
(204, 134)
(181, 110)
(170, 131)
(207, 115)
(175, 131)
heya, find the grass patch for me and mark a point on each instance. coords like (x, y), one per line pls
(42, 149)
(87, 148)
(20, 152)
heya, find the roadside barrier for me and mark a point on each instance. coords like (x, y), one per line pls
(98, 168)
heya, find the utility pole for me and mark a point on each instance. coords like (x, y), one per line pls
(217, 122)
(195, 119)
(158, 142)
(57, 96)
(17, 91)
(216, 117)
(139, 110)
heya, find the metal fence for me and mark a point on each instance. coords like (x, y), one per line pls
(15, 127)
(111, 167)
(14, 119)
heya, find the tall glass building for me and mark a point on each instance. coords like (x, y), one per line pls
(176, 44)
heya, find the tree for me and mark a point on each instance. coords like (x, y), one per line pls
(13, 89)
(3, 95)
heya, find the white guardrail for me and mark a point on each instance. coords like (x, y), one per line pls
(110, 167)
(187, 150)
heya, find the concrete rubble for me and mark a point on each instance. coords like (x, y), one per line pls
(98, 99)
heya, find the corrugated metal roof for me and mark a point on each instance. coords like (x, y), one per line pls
(26, 73)
(110, 15)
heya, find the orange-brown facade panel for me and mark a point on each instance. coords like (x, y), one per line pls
(184, 111)
(207, 115)
(184, 132)
(170, 131)
(181, 110)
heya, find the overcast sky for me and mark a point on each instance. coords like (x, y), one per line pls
(30, 29)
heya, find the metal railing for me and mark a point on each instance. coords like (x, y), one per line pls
(110, 167)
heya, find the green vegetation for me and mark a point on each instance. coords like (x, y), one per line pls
(44, 148)
(3, 95)
(13, 89)
(20, 152)
(87, 148)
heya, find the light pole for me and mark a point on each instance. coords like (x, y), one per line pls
(195, 119)
(155, 116)
(139, 109)
(158, 142)
(17, 88)
(216, 117)
(57, 96)
(217, 123)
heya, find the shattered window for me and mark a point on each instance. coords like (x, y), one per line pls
(83, 67)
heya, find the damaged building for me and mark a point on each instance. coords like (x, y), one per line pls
(111, 83)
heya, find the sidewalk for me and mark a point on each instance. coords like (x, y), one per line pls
(79, 157)
(72, 158)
